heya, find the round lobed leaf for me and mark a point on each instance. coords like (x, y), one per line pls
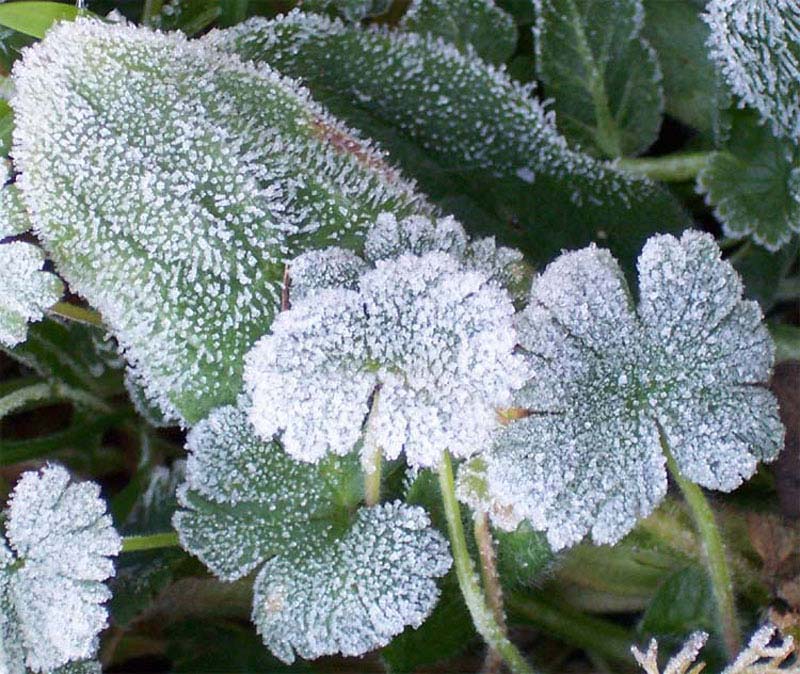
(609, 385)
(62, 541)
(354, 595)
(424, 345)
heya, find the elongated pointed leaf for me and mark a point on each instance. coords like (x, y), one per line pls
(476, 142)
(170, 183)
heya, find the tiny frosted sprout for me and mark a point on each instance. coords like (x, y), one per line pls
(681, 663)
(613, 388)
(756, 44)
(60, 544)
(355, 595)
(325, 584)
(171, 183)
(26, 290)
(423, 347)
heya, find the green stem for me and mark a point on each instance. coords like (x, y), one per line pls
(714, 553)
(75, 313)
(491, 583)
(48, 392)
(482, 615)
(167, 539)
(672, 168)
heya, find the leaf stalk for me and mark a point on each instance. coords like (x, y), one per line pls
(167, 539)
(671, 168)
(714, 553)
(482, 615)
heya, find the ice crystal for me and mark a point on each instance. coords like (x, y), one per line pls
(756, 44)
(758, 658)
(51, 586)
(423, 345)
(325, 586)
(26, 290)
(461, 110)
(678, 664)
(172, 182)
(608, 382)
(357, 594)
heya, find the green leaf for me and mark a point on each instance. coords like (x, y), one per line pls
(692, 91)
(34, 18)
(763, 271)
(754, 184)
(477, 23)
(756, 46)
(232, 12)
(445, 634)
(217, 175)
(523, 555)
(328, 582)
(611, 384)
(52, 583)
(477, 143)
(350, 10)
(603, 76)
(78, 355)
(787, 342)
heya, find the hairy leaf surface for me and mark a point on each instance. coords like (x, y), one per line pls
(477, 143)
(754, 184)
(611, 382)
(61, 541)
(479, 24)
(756, 44)
(327, 584)
(603, 76)
(170, 183)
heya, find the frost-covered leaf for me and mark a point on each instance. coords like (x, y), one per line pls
(26, 290)
(609, 381)
(354, 595)
(78, 355)
(478, 144)
(603, 76)
(86, 667)
(756, 44)
(326, 268)
(246, 500)
(754, 184)
(171, 183)
(479, 24)
(424, 346)
(62, 541)
(692, 88)
(351, 10)
(326, 585)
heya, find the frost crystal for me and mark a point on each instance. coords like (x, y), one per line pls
(423, 345)
(757, 46)
(172, 182)
(51, 586)
(26, 291)
(357, 594)
(325, 586)
(608, 381)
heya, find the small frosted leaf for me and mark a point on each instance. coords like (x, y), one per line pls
(753, 183)
(14, 219)
(426, 342)
(603, 76)
(246, 500)
(351, 10)
(172, 183)
(64, 539)
(327, 268)
(355, 594)
(756, 44)
(86, 667)
(389, 238)
(26, 291)
(477, 24)
(12, 652)
(607, 382)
